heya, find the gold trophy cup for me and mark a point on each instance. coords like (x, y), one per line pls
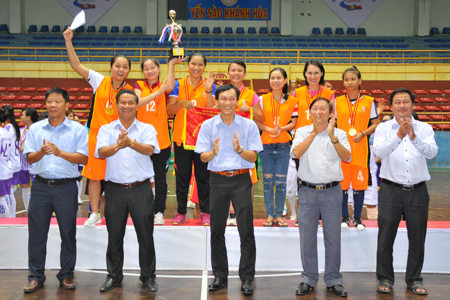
(177, 31)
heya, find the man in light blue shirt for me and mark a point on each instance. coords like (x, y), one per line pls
(403, 145)
(127, 145)
(229, 144)
(55, 146)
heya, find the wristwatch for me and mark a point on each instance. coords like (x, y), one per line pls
(240, 150)
(132, 143)
(337, 141)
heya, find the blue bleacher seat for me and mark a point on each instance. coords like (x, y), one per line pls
(217, 30)
(126, 29)
(44, 29)
(65, 27)
(193, 30)
(351, 31)
(302, 45)
(96, 44)
(32, 28)
(56, 29)
(339, 45)
(401, 46)
(446, 30)
(240, 30)
(90, 29)
(205, 30)
(121, 44)
(434, 30)
(3, 27)
(103, 29)
(228, 30)
(108, 44)
(184, 29)
(251, 30)
(80, 29)
(361, 31)
(339, 31)
(316, 30)
(327, 30)
(363, 46)
(114, 29)
(262, 30)
(47, 44)
(275, 30)
(138, 30)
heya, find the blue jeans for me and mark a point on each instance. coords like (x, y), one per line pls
(275, 164)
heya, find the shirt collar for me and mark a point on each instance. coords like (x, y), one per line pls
(155, 84)
(395, 124)
(66, 123)
(118, 123)
(241, 88)
(237, 120)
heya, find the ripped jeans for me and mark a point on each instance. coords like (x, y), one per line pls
(275, 164)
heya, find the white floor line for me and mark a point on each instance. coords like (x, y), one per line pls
(204, 293)
(20, 211)
(136, 274)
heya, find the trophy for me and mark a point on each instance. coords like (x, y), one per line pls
(174, 31)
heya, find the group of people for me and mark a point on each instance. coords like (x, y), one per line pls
(129, 142)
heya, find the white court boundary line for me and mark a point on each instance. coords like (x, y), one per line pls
(203, 276)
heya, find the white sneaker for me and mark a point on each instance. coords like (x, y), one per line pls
(190, 204)
(159, 220)
(293, 217)
(231, 222)
(93, 220)
(80, 201)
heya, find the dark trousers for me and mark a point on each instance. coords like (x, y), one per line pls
(62, 199)
(183, 171)
(138, 201)
(238, 189)
(159, 162)
(393, 202)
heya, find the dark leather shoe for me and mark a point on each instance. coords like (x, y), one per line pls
(247, 287)
(32, 286)
(109, 284)
(217, 284)
(303, 289)
(150, 285)
(68, 284)
(338, 290)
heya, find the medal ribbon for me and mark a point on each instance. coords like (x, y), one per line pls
(275, 109)
(23, 137)
(186, 87)
(111, 99)
(240, 95)
(308, 95)
(351, 110)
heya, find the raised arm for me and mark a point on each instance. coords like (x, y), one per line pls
(73, 58)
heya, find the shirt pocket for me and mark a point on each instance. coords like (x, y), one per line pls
(331, 153)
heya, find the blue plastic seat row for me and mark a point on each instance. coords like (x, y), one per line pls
(338, 31)
(229, 30)
(90, 29)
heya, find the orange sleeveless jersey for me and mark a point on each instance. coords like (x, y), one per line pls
(197, 96)
(284, 114)
(304, 100)
(95, 168)
(155, 113)
(360, 150)
(247, 95)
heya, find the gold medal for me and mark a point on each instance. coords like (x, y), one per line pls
(352, 131)
(109, 110)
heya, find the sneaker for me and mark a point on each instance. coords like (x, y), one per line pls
(94, 219)
(190, 204)
(284, 212)
(80, 201)
(179, 219)
(345, 222)
(358, 224)
(293, 217)
(204, 217)
(159, 220)
(231, 222)
(296, 223)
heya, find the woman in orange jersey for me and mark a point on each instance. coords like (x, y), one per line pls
(103, 111)
(356, 115)
(190, 92)
(277, 108)
(153, 96)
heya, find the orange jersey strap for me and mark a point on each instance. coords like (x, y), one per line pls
(277, 114)
(304, 100)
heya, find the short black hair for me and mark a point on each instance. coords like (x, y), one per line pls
(403, 90)
(238, 62)
(57, 90)
(32, 113)
(115, 57)
(330, 105)
(128, 92)
(225, 88)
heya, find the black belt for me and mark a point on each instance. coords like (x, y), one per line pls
(319, 186)
(53, 182)
(404, 187)
(130, 185)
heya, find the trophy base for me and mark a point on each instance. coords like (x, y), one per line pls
(176, 52)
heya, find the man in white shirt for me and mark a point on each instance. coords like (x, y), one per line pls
(403, 145)
(320, 147)
(127, 145)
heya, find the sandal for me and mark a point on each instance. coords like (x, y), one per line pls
(268, 224)
(281, 223)
(415, 286)
(386, 284)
